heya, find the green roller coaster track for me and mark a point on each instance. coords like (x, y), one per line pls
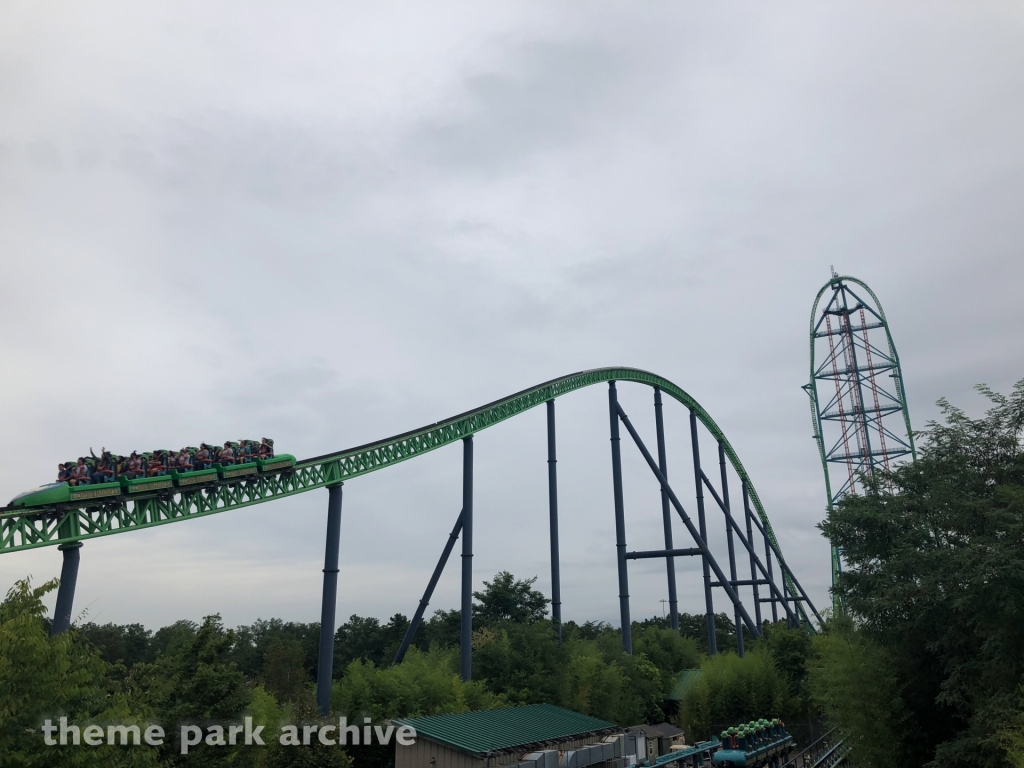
(72, 522)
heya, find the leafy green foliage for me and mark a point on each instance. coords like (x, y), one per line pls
(791, 650)
(255, 641)
(425, 683)
(731, 690)
(935, 575)
(203, 674)
(369, 640)
(172, 639)
(1012, 737)
(43, 677)
(197, 684)
(283, 673)
(312, 755)
(695, 626)
(670, 652)
(854, 682)
(507, 599)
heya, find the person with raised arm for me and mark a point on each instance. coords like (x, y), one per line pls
(103, 472)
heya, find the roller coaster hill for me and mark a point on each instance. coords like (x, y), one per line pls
(65, 516)
(111, 475)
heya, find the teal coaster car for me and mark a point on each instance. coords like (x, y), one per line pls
(758, 743)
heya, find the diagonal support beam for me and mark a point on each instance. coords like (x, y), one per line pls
(429, 591)
(701, 543)
(743, 540)
(785, 568)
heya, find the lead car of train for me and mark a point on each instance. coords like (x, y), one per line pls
(759, 743)
(169, 480)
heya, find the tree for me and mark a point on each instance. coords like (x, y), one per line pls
(522, 662)
(731, 690)
(119, 643)
(254, 641)
(172, 638)
(442, 630)
(283, 671)
(668, 651)
(367, 639)
(507, 599)
(934, 573)
(197, 684)
(312, 755)
(791, 649)
(853, 681)
(1012, 738)
(425, 683)
(49, 677)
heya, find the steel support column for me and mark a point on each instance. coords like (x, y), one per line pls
(466, 640)
(753, 571)
(556, 589)
(666, 513)
(768, 563)
(727, 509)
(702, 526)
(620, 520)
(66, 590)
(429, 591)
(325, 662)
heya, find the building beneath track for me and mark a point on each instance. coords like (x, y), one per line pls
(534, 736)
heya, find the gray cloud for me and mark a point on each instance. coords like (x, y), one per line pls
(335, 222)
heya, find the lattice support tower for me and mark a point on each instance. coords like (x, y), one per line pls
(858, 403)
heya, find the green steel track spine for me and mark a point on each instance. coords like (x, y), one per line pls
(67, 523)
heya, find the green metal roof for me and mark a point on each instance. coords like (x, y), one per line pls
(491, 730)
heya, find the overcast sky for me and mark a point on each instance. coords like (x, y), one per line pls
(332, 222)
